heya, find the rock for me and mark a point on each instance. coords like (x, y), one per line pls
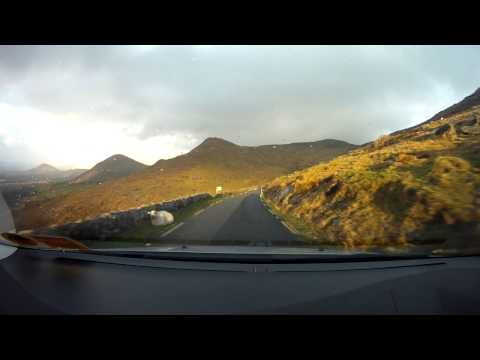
(470, 130)
(470, 121)
(285, 191)
(333, 189)
(171, 208)
(107, 225)
(296, 199)
(442, 129)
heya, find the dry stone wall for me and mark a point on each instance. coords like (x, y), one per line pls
(110, 224)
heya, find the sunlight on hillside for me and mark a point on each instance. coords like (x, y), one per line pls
(416, 187)
(108, 187)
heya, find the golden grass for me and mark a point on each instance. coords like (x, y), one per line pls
(212, 164)
(393, 191)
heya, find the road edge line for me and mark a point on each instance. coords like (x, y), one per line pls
(172, 229)
(282, 221)
(199, 212)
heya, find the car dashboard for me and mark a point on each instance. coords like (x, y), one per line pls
(55, 282)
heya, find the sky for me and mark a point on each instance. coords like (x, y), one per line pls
(73, 106)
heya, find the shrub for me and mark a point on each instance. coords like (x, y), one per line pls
(383, 140)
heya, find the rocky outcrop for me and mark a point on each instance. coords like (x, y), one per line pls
(418, 187)
(111, 224)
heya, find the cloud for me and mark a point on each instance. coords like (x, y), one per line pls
(15, 156)
(69, 140)
(247, 94)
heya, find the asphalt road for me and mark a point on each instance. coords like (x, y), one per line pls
(241, 220)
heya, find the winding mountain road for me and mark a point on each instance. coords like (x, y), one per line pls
(241, 220)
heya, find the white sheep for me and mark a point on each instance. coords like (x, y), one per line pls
(161, 218)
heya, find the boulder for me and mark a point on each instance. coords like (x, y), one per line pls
(442, 129)
(285, 191)
(170, 208)
(470, 130)
(470, 121)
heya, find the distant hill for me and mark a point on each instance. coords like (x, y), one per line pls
(8, 166)
(73, 173)
(418, 186)
(43, 173)
(43, 170)
(114, 167)
(266, 159)
(215, 162)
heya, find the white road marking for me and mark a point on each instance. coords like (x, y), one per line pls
(199, 212)
(289, 228)
(172, 229)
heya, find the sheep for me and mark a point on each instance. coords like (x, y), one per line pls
(161, 218)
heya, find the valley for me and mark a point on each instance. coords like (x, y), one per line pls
(415, 187)
(120, 183)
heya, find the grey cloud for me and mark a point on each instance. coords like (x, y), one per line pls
(251, 95)
(16, 157)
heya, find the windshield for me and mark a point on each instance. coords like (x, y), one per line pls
(249, 149)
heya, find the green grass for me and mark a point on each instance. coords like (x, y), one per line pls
(473, 157)
(422, 171)
(392, 198)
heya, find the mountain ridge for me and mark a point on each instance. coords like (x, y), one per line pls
(419, 186)
(43, 173)
(113, 167)
(43, 169)
(215, 162)
(468, 102)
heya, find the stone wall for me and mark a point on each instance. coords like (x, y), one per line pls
(111, 224)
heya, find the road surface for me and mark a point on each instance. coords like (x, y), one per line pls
(241, 220)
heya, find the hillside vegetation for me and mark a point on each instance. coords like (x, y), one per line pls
(215, 162)
(418, 186)
(114, 167)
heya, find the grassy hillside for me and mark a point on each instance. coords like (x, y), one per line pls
(114, 167)
(418, 186)
(214, 162)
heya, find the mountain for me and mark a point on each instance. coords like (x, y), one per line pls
(43, 170)
(227, 156)
(215, 162)
(73, 173)
(114, 167)
(43, 173)
(419, 186)
(467, 103)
